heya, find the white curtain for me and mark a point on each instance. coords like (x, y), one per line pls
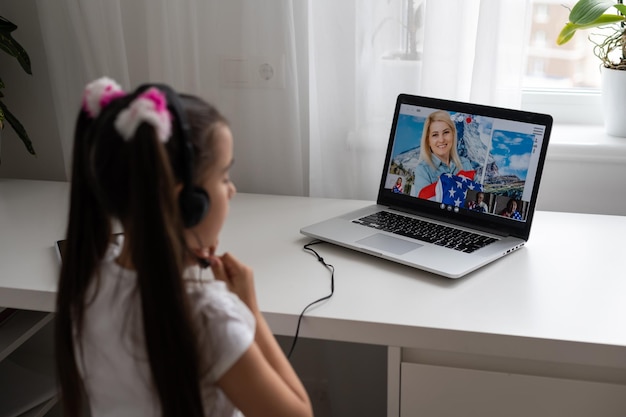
(76, 52)
(217, 49)
(308, 86)
(364, 53)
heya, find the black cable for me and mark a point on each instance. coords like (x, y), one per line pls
(307, 247)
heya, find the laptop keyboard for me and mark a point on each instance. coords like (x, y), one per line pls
(424, 231)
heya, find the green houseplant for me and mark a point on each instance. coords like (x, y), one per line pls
(587, 14)
(14, 49)
(610, 48)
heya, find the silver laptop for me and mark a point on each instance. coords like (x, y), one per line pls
(458, 189)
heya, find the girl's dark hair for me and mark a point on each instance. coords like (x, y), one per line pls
(133, 182)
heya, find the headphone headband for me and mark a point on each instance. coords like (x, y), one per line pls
(193, 201)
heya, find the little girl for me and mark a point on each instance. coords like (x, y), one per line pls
(138, 332)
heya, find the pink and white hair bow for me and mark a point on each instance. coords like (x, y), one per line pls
(98, 94)
(149, 107)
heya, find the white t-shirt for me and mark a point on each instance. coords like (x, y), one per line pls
(114, 363)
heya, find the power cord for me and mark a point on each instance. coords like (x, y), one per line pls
(331, 268)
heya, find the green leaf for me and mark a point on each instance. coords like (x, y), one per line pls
(621, 8)
(6, 26)
(566, 34)
(605, 19)
(13, 47)
(19, 129)
(587, 11)
(570, 29)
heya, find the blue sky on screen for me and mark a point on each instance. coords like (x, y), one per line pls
(408, 133)
(512, 151)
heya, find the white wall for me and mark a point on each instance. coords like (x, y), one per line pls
(584, 172)
(260, 117)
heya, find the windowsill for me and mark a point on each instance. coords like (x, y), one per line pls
(588, 143)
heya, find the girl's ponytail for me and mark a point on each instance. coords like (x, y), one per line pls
(85, 243)
(158, 255)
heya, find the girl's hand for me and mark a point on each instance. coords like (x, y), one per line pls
(238, 277)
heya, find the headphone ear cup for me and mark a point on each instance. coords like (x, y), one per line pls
(194, 204)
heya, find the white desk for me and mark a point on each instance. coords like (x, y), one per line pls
(550, 318)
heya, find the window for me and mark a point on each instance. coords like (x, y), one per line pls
(561, 80)
(539, 39)
(540, 13)
(572, 65)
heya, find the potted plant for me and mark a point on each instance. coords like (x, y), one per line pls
(14, 49)
(610, 48)
(412, 24)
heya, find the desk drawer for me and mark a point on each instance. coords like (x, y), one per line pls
(429, 390)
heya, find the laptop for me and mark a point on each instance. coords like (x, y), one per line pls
(449, 208)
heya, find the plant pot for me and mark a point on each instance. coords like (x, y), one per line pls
(614, 101)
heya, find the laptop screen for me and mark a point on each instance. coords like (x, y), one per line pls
(475, 162)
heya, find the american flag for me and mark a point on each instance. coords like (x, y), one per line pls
(452, 189)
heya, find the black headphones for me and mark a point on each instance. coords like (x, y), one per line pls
(193, 201)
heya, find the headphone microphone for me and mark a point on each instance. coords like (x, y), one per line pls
(204, 263)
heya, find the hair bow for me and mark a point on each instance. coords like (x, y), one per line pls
(150, 107)
(98, 94)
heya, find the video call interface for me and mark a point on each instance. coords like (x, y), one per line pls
(465, 161)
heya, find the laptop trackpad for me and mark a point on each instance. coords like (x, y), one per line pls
(389, 244)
